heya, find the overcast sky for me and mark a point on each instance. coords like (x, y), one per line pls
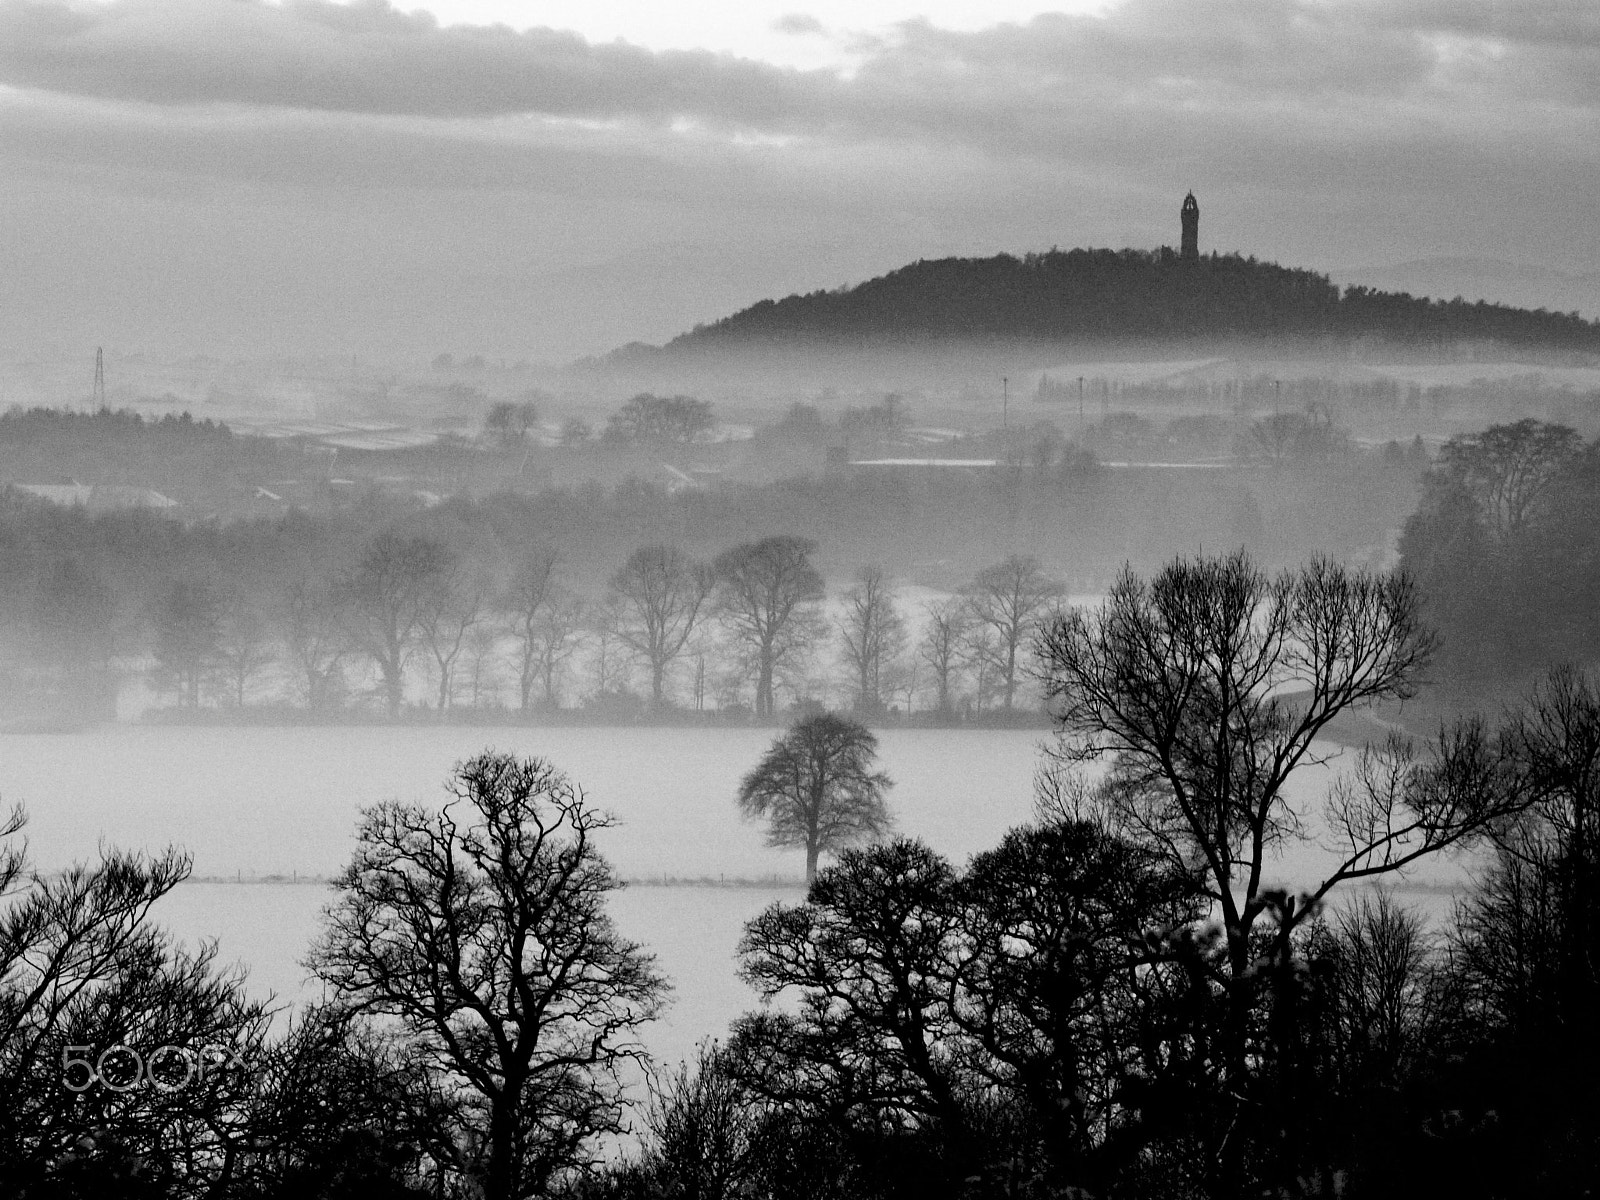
(241, 177)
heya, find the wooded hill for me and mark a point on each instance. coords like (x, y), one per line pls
(1121, 295)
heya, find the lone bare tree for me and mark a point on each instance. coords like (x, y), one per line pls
(767, 596)
(1010, 599)
(872, 634)
(815, 787)
(479, 934)
(660, 596)
(1205, 688)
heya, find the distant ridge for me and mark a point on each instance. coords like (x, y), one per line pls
(1120, 295)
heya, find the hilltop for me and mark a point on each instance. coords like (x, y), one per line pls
(1099, 296)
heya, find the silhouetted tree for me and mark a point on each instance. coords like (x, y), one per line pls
(873, 1039)
(314, 633)
(815, 787)
(704, 1132)
(660, 596)
(1507, 470)
(187, 620)
(452, 605)
(387, 593)
(95, 1004)
(766, 597)
(244, 645)
(872, 635)
(1010, 599)
(1205, 688)
(480, 932)
(530, 592)
(943, 636)
(559, 634)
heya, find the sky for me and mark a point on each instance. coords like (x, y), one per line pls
(543, 180)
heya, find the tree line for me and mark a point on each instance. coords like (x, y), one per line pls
(1117, 1000)
(745, 630)
(374, 621)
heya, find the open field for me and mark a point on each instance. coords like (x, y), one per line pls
(269, 815)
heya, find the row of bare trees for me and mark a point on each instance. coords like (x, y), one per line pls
(746, 626)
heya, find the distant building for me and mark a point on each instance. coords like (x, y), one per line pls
(1191, 227)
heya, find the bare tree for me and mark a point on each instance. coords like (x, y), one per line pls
(559, 633)
(313, 624)
(1206, 688)
(386, 595)
(815, 787)
(1010, 599)
(941, 648)
(608, 661)
(981, 659)
(704, 1131)
(530, 592)
(90, 992)
(1383, 999)
(660, 595)
(483, 664)
(244, 645)
(767, 599)
(452, 606)
(480, 933)
(1508, 470)
(187, 620)
(872, 635)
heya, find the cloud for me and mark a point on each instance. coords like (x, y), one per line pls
(366, 58)
(1317, 131)
(370, 58)
(1317, 90)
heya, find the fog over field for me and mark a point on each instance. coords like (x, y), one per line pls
(907, 599)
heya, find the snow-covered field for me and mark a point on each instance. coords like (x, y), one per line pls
(253, 803)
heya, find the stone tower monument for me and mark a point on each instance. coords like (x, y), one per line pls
(1191, 227)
